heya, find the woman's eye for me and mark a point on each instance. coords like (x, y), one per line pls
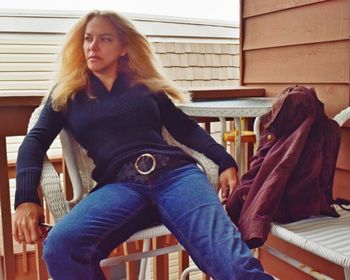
(87, 39)
(106, 39)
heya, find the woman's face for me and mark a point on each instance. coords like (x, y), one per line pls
(102, 47)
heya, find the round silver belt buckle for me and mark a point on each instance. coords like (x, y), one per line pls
(154, 163)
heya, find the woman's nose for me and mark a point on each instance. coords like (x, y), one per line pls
(94, 45)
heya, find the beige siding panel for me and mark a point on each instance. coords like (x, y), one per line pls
(191, 61)
(316, 63)
(29, 49)
(18, 66)
(258, 7)
(28, 58)
(215, 60)
(187, 48)
(179, 75)
(165, 59)
(179, 48)
(335, 97)
(31, 39)
(196, 49)
(233, 49)
(205, 73)
(25, 76)
(26, 85)
(328, 21)
(202, 48)
(215, 73)
(208, 60)
(170, 47)
(232, 73)
(200, 83)
(174, 60)
(159, 47)
(35, 92)
(200, 58)
(188, 73)
(183, 60)
(231, 83)
(235, 60)
(184, 84)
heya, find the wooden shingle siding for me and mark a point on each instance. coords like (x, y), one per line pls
(200, 64)
(301, 42)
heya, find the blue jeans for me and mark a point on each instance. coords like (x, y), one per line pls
(182, 199)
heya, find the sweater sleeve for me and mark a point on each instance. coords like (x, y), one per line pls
(186, 130)
(32, 151)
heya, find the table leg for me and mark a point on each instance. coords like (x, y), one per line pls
(257, 121)
(223, 130)
(238, 155)
(238, 146)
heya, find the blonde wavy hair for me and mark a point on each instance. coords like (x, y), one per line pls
(140, 65)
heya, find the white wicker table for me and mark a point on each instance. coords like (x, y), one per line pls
(250, 107)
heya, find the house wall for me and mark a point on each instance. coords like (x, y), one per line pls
(195, 53)
(305, 42)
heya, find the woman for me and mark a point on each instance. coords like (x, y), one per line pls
(113, 98)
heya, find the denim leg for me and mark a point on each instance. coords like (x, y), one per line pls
(88, 233)
(190, 208)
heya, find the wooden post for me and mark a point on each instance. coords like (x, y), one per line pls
(184, 262)
(41, 271)
(7, 242)
(132, 268)
(161, 263)
(14, 115)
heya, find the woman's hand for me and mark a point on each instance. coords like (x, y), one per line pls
(26, 223)
(228, 181)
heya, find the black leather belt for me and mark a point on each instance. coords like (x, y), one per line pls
(147, 166)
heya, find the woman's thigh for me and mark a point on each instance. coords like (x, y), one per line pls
(191, 209)
(183, 191)
(102, 220)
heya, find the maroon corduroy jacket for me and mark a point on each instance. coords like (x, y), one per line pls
(291, 175)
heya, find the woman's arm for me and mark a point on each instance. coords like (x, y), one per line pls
(185, 130)
(28, 168)
(188, 132)
(32, 151)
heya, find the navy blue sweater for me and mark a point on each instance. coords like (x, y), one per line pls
(113, 127)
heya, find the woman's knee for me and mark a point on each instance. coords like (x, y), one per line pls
(57, 243)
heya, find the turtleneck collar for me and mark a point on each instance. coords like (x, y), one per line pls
(95, 86)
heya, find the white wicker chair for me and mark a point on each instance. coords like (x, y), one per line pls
(323, 236)
(79, 168)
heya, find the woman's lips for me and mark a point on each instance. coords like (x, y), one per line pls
(94, 58)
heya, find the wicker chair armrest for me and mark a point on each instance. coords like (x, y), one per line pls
(343, 116)
(52, 191)
(210, 169)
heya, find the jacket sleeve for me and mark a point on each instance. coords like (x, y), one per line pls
(185, 130)
(32, 151)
